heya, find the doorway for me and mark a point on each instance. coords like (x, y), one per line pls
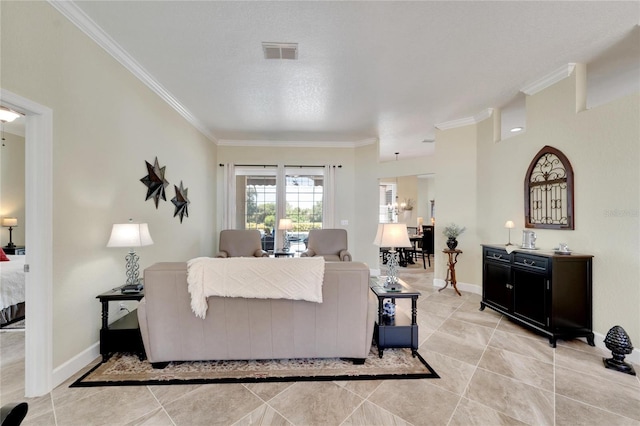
(39, 240)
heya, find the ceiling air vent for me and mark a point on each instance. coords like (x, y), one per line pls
(280, 50)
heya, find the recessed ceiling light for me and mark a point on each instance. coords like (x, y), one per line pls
(516, 129)
(428, 140)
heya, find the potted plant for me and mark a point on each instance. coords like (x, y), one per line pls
(452, 232)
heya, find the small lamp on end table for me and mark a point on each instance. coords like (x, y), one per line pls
(10, 222)
(285, 225)
(392, 235)
(131, 235)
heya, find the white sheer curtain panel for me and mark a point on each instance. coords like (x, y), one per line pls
(328, 203)
(229, 211)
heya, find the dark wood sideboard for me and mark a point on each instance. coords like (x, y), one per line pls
(547, 292)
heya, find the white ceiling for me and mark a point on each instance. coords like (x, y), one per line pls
(365, 70)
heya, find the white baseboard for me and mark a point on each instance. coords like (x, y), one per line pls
(75, 364)
(471, 288)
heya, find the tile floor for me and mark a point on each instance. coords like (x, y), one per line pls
(492, 372)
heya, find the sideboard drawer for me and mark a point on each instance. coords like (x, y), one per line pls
(537, 263)
(496, 255)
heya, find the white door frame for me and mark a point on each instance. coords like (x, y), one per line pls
(38, 240)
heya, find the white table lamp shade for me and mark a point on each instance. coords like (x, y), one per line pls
(10, 221)
(285, 224)
(392, 235)
(130, 235)
(509, 224)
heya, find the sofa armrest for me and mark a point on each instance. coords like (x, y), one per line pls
(222, 254)
(345, 256)
(260, 253)
(308, 253)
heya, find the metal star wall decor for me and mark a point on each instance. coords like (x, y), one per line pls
(181, 202)
(155, 182)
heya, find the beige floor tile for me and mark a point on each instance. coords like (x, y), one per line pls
(155, 418)
(45, 419)
(37, 406)
(570, 413)
(602, 393)
(471, 333)
(509, 326)
(166, 394)
(263, 415)
(427, 305)
(316, 403)
(486, 318)
(470, 413)
(110, 406)
(369, 414)
(362, 388)
(12, 378)
(533, 372)
(455, 347)
(591, 363)
(454, 374)
(217, 404)
(267, 391)
(514, 398)
(533, 348)
(447, 297)
(417, 401)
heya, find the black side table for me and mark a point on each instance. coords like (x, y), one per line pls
(398, 331)
(283, 254)
(123, 335)
(14, 250)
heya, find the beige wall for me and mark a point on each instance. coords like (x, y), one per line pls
(603, 147)
(12, 187)
(106, 124)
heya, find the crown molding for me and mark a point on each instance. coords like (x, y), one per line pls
(296, 144)
(549, 79)
(80, 19)
(466, 121)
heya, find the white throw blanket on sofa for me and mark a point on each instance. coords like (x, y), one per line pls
(258, 278)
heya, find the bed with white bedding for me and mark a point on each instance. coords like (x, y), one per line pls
(12, 306)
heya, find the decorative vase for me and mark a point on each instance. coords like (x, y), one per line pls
(452, 243)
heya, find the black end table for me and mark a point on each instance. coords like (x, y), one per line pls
(15, 250)
(398, 331)
(123, 335)
(284, 254)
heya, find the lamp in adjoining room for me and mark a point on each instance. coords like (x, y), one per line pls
(509, 225)
(285, 225)
(10, 222)
(131, 235)
(7, 115)
(619, 343)
(392, 235)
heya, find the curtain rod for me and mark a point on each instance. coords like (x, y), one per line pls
(286, 165)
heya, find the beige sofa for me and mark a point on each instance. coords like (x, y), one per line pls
(238, 328)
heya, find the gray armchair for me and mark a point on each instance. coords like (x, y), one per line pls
(328, 243)
(240, 243)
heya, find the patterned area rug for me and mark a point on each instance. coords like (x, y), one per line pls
(128, 370)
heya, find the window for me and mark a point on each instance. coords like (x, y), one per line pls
(265, 194)
(548, 191)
